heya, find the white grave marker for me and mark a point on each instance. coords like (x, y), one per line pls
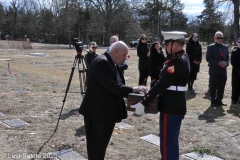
(37, 54)
(152, 139)
(68, 155)
(197, 156)
(122, 125)
(15, 123)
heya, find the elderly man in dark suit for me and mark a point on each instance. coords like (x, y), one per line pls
(218, 60)
(103, 104)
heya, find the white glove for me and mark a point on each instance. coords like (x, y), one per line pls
(140, 89)
(139, 108)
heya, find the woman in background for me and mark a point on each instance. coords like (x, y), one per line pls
(157, 60)
(143, 61)
(194, 51)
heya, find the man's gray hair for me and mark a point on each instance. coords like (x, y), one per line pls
(119, 45)
(92, 43)
(114, 37)
(218, 32)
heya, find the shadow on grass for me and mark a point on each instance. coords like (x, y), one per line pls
(207, 95)
(235, 110)
(190, 94)
(211, 114)
(80, 132)
(69, 114)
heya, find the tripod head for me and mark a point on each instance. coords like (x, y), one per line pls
(79, 47)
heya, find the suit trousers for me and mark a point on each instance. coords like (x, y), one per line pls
(143, 76)
(98, 135)
(217, 85)
(169, 131)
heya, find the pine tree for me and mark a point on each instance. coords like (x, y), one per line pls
(210, 21)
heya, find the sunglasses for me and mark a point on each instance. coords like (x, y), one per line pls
(144, 38)
(219, 37)
(94, 47)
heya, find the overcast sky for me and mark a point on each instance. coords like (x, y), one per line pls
(193, 6)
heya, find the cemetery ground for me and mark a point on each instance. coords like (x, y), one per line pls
(43, 81)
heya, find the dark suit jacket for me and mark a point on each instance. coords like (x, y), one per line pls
(213, 57)
(103, 100)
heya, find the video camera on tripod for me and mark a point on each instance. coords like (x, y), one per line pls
(79, 47)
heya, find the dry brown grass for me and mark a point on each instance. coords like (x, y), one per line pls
(214, 129)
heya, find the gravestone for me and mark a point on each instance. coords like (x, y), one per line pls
(37, 54)
(122, 125)
(20, 91)
(152, 139)
(68, 155)
(15, 123)
(197, 156)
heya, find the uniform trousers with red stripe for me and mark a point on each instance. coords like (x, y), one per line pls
(169, 132)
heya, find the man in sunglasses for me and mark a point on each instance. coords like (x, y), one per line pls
(170, 91)
(91, 54)
(217, 57)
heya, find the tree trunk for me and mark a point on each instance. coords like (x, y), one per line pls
(236, 20)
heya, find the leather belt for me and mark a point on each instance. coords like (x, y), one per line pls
(176, 88)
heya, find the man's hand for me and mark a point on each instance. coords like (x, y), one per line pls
(222, 64)
(140, 89)
(139, 108)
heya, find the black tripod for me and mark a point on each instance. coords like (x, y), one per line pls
(79, 59)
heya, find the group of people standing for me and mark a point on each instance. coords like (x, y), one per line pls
(169, 76)
(152, 59)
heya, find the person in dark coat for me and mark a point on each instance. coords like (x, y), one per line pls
(217, 57)
(157, 60)
(103, 104)
(235, 62)
(170, 90)
(143, 53)
(194, 51)
(91, 54)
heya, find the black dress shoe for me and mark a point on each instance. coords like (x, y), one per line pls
(222, 104)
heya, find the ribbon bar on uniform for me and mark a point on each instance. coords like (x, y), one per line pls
(176, 88)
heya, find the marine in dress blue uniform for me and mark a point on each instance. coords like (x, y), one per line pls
(170, 90)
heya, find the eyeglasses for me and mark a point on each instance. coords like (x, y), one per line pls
(94, 47)
(219, 37)
(144, 38)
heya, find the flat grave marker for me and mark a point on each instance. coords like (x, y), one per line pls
(197, 156)
(15, 123)
(152, 139)
(37, 54)
(122, 125)
(68, 155)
